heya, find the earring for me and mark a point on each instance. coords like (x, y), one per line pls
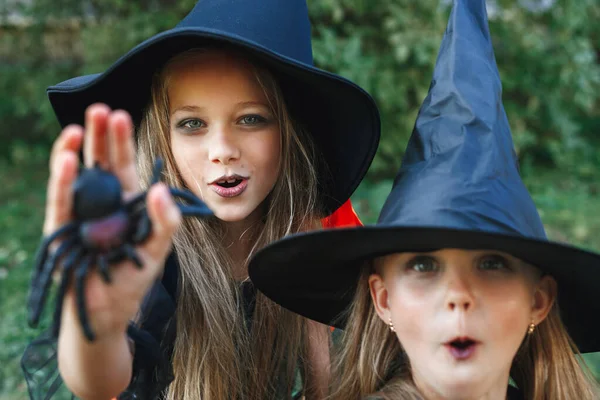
(531, 328)
(391, 324)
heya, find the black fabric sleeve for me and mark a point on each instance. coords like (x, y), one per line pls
(154, 338)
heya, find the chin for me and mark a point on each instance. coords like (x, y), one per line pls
(231, 214)
(460, 387)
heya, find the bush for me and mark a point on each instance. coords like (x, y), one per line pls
(547, 55)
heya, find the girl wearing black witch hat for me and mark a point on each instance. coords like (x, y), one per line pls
(232, 103)
(456, 289)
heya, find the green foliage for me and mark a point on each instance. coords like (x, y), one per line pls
(22, 199)
(548, 60)
(548, 63)
(567, 207)
(62, 41)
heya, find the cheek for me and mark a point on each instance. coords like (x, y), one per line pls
(266, 153)
(191, 172)
(412, 313)
(509, 316)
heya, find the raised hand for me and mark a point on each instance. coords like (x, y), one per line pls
(106, 240)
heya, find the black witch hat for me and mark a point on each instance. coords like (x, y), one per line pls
(342, 118)
(458, 187)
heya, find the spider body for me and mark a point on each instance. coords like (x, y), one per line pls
(104, 231)
(96, 194)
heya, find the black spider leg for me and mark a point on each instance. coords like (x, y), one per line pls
(144, 225)
(158, 166)
(68, 266)
(143, 228)
(125, 251)
(39, 292)
(104, 268)
(196, 207)
(42, 253)
(80, 274)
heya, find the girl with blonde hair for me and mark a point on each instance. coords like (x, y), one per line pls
(456, 293)
(232, 103)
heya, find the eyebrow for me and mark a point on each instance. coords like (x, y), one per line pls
(191, 108)
(252, 103)
(187, 108)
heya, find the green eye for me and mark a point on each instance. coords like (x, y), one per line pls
(423, 264)
(193, 124)
(493, 263)
(252, 120)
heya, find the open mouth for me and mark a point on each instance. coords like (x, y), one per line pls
(229, 183)
(230, 186)
(462, 348)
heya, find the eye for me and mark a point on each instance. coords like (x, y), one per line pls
(493, 263)
(423, 264)
(252, 119)
(191, 124)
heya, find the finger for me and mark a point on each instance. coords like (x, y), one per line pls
(122, 150)
(69, 140)
(59, 202)
(166, 218)
(62, 172)
(95, 147)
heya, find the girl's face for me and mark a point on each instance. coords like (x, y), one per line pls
(224, 137)
(460, 316)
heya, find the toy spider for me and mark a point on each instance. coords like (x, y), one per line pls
(105, 230)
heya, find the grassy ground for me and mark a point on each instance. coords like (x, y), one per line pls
(568, 207)
(21, 211)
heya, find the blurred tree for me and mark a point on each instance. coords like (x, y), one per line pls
(547, 51)
(547, 54)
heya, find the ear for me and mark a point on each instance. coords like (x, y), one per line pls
(543, 298)
(379, 294)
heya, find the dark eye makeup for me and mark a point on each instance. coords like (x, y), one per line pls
(191, 124)
(423, 263)
(494, 262)
(252, 119)
(486, 262)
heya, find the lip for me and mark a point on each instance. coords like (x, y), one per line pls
(230, 192)
(462, 353)
(228, 177)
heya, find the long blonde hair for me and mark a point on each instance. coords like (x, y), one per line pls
(371, 364)
(215, 355)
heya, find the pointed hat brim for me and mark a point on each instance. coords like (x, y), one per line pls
(315, 274)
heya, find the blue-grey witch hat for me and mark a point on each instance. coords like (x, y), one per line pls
(342, 118)
(458, 187)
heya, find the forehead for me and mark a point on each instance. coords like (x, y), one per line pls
(213, 73)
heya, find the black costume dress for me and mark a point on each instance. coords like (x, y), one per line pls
(154, 340)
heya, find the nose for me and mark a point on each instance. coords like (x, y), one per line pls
(459, 296)
(222, 146)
